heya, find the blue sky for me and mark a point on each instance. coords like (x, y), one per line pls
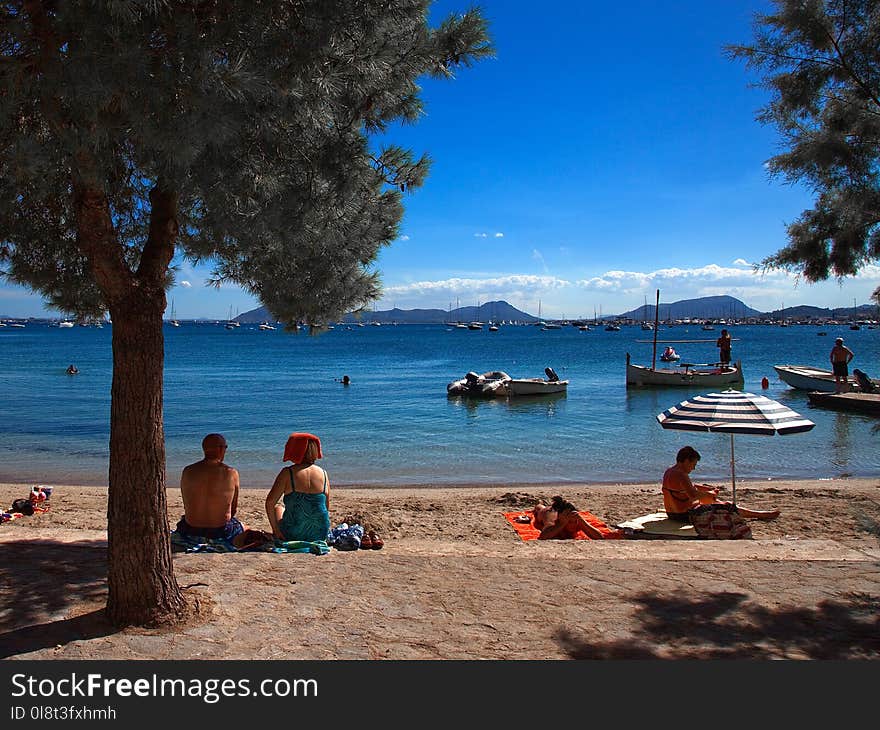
(607, 151)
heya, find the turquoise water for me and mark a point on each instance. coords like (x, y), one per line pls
(394, 424)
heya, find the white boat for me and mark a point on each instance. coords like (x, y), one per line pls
(173, 321)
(65, 324)
(706, 375)
(535, 386)
(670, 355)
(266, 326)
(475, 326)
(806, 377)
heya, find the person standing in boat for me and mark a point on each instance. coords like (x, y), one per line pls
(840, 357)
(723, 345)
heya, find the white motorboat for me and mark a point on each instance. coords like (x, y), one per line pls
(705, 375)
(65, 324)
(670, 355)
(535, 386)
(806, 377)
(266, 326)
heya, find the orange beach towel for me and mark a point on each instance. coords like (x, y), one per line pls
(527, 531)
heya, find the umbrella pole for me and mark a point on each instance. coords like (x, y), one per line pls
(732, 470)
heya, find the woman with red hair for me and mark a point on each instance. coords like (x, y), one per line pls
(298, 505)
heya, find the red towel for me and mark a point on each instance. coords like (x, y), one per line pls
(527, 531)
(295, 449)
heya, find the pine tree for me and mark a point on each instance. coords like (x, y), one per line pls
(138, 133)
(820, 59)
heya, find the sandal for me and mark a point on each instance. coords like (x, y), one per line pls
(366, 543)
(378, 542)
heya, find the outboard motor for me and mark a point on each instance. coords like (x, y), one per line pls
(551, 375)
(472, 378)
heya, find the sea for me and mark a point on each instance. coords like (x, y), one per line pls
(394, 425)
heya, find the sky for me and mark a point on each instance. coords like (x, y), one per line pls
(608, 150)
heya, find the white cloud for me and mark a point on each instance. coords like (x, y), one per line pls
(186, 284)
(741, 262)
(403, 238)
(499, 235)
(481, 235)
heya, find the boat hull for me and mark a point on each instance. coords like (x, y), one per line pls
(804, 377)
(535, 386)
(642, 376)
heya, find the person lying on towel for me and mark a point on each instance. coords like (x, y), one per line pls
(680, 494)
(210, 494)
(560, 520)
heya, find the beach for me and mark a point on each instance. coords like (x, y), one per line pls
(454, 581)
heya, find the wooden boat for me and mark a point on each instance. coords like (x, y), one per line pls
(854, 402)
(706, 375)
(806, 377)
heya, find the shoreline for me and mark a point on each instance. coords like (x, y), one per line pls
(744, 482)
(454, 581)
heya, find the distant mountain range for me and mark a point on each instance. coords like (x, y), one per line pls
(491, 311)
(720, 307)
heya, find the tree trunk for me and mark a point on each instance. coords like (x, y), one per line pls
(142, 587)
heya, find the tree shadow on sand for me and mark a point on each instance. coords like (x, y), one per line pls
(43, 580)
(725, 626)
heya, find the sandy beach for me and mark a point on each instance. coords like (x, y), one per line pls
(454, 581)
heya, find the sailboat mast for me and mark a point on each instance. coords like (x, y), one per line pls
(656, 327)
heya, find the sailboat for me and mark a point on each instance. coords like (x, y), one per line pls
(705, 375)
(230, 324)
(855, 324)
(173, 321)
(646, 325)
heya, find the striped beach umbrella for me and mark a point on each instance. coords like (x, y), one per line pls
(733, 412)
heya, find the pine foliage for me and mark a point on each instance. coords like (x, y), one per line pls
(254, 119)
(820, 59)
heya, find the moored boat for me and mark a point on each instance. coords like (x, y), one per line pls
(487, 385)
(706, 375)
(535, 386)
(806, 377)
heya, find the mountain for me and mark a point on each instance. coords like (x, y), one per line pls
(489, 311)
(723, 307)
(720, 307)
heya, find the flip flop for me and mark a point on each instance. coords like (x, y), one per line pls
(378, 542)
(366, 543)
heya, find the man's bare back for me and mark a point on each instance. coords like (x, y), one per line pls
(209, 487)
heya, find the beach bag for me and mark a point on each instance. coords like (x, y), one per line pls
(719, 522)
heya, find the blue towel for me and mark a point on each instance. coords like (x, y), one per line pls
(195, 544)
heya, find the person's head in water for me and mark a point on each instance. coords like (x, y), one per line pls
(345, 380)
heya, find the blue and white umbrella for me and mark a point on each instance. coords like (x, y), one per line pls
(733, 412)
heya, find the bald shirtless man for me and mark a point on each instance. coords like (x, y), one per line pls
(210, 494)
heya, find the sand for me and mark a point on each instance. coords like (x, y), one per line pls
(455, 582)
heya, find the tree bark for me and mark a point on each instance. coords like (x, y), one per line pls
(142, 588)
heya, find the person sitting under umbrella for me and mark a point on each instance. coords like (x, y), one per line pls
(680, 494)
